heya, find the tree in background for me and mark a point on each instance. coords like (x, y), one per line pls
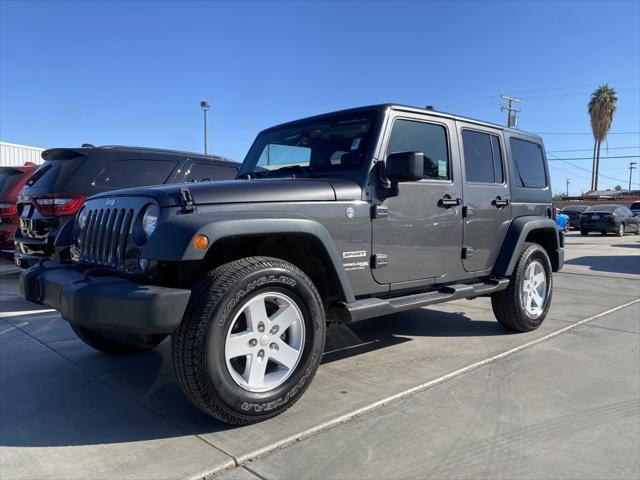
(602, 107)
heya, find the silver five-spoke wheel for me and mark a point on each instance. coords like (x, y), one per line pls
(534, 289)
(265, 342)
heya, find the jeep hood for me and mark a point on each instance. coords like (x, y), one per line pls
(248, 191)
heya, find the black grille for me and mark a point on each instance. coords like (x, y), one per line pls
(104, 238)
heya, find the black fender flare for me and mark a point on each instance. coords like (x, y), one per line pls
(172, 240)
(516, 236)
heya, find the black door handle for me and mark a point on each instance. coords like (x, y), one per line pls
(499, 202)
(447, 202)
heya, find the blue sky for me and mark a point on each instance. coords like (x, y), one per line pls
(135, 72)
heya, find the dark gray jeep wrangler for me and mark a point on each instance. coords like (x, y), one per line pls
(339, 217)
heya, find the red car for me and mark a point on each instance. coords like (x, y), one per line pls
(12, 179)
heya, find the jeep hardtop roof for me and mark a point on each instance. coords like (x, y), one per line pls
(64, 153)
(406, 108)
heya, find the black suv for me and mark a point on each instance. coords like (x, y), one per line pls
(340, 217)
(57, 189)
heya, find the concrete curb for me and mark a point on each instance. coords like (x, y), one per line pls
(256, 454)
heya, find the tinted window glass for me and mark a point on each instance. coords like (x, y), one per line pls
(200, 172)
(601, 208)
(134, 173)
(497, 159)
(478, 157)
(203, 172)
(8, 180)
(529, 162)
(635, 205)
(430, 139)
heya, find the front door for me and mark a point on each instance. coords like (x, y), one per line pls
(487, 202)
(419, 231)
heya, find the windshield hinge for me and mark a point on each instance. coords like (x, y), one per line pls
(186, 199)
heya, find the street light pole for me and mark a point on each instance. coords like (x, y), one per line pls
(567, 187)
(205, 106)
(631, 169)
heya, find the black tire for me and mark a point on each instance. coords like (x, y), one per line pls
(116, 343)
(604, 233)
(620, 230)
(508, 304)
(584, 233)
(199, 343)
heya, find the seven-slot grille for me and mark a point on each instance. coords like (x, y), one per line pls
(104, 238)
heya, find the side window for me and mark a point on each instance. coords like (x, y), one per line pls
(428, 138)
(134, 173)
(529, 162)
(482, 157)
(200, 172)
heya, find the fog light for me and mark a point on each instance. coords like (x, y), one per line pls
(143, 263)
(200, 241)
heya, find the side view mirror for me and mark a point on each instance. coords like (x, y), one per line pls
(405, 166)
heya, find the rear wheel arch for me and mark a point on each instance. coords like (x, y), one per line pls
(523, 230)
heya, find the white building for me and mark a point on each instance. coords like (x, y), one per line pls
(14, 155)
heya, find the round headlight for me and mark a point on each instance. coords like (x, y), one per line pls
(150, 220)
(82, 218)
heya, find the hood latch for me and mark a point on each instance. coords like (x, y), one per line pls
(186, 199)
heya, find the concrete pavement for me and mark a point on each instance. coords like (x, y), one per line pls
(68, 411)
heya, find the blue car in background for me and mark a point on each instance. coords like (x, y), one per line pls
(562, 222)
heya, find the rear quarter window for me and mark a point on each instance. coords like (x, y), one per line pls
(529, 162)
(134, 173)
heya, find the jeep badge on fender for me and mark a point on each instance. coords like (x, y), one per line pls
(339, 217)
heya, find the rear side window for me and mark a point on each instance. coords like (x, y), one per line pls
(134, 173)
(482, 157)
(427, 138)
(529, 161)
(8, 180)
(635, 206)
(205, 172)
(39, 173)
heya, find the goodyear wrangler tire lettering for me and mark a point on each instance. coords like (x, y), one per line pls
(221, 382)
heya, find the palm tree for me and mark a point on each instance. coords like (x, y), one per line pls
(602, 106)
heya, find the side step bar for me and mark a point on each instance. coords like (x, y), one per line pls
(375, 307)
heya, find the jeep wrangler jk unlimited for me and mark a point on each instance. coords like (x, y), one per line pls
(339, 217)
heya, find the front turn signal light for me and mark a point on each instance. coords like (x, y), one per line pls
(200, 241)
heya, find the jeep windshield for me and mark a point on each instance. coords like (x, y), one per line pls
(319, 147)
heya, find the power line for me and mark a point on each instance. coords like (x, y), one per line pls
(587, 170)
(590, 149)
(591, 158)
(584, 133)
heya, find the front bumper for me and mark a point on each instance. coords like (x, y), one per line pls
(104, 302)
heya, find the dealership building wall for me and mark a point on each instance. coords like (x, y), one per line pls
(14, 155)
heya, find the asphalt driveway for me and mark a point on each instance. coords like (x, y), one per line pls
(439, 392)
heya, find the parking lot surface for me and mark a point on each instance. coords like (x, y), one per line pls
(438, 392)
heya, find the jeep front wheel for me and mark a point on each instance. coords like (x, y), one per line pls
(523, 306)
(251, 340)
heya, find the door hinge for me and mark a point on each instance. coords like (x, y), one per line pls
(186, 199)
(379, 211)
(379, 260)
(468, 252)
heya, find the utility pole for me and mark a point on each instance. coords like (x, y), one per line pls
(512, 112)
(205, 106)
(632, 167)
(567, 180)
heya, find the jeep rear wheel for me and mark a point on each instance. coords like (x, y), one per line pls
(251, 340)
(523, 306)
(116, 343)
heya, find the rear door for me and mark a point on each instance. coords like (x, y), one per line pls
(486, 195)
